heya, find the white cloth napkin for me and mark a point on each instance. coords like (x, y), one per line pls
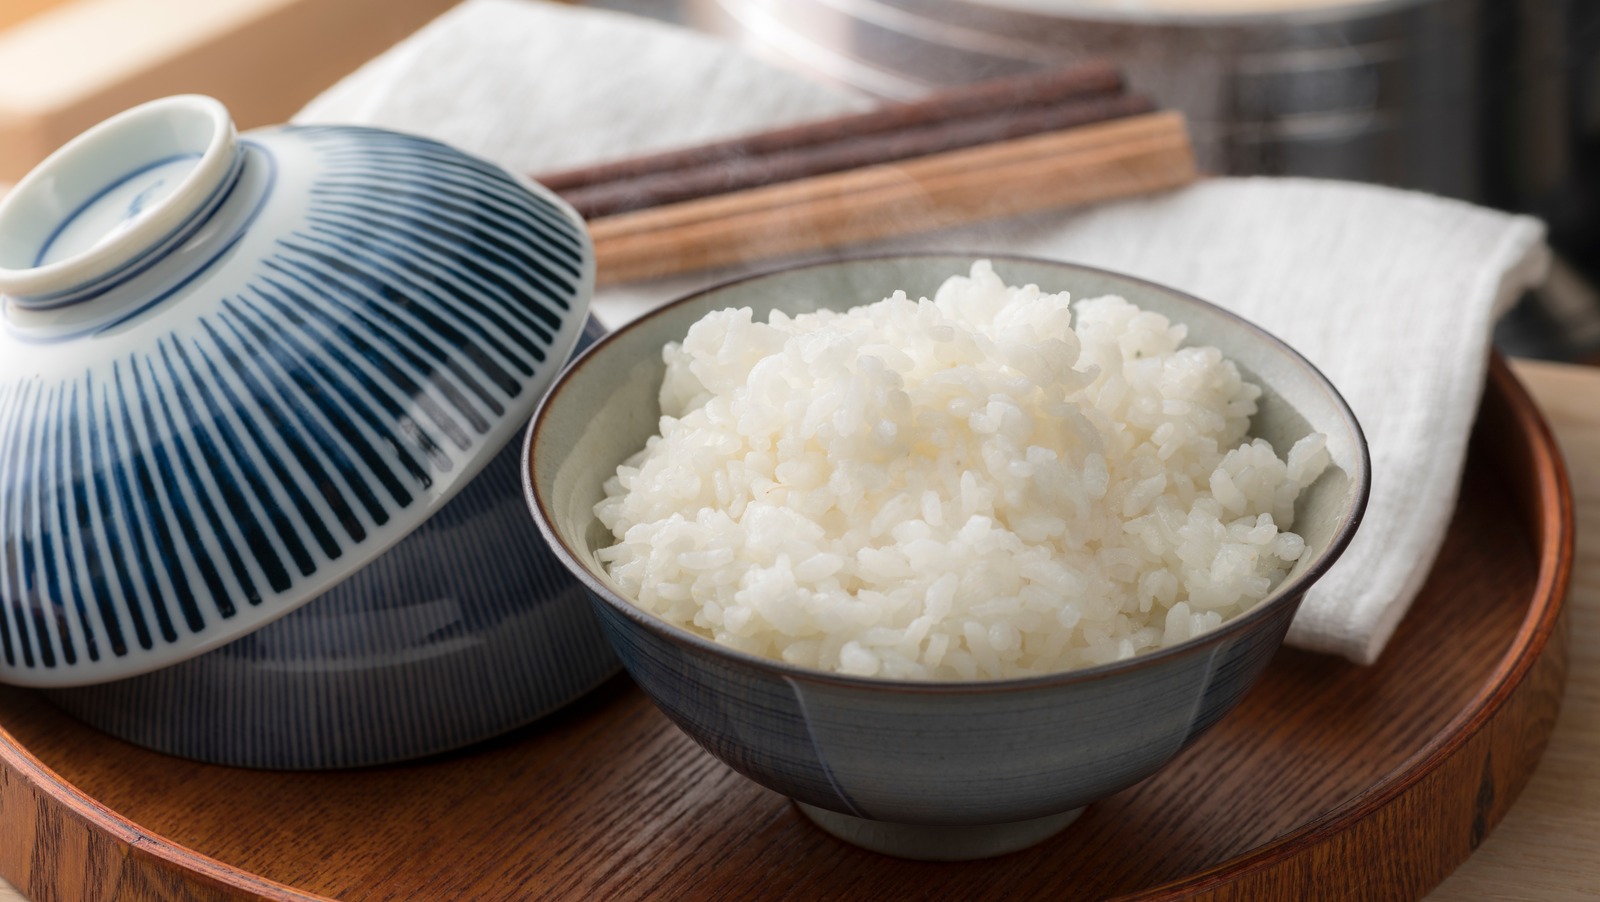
(1392, 294)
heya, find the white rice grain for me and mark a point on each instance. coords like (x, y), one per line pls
(991, 483)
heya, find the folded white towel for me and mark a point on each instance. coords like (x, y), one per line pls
(1392, 294)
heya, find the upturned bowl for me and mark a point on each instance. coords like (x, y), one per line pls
(258, 395)
(933, 770)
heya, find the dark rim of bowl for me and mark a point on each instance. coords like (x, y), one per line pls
(1289, 592)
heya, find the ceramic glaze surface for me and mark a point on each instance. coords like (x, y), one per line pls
(262, 394)
(116, 208)
(465, 629)
(994, 766)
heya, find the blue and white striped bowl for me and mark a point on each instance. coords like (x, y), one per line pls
(467, 628)
(240, 373)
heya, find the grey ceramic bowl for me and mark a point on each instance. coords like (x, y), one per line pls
(930, 770)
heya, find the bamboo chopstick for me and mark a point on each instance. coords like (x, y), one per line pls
(1082, 165)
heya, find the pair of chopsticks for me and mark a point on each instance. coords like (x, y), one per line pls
(995, 149)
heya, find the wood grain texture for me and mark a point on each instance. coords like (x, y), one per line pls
(1091, 163)
(1330, 779)
(1034, 89)
(1548, 847)
(746, 173)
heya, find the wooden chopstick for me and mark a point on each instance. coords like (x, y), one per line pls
(1081, 165)
(742, 173)
(982, 98)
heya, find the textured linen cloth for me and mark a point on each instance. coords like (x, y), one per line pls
(1391, 294)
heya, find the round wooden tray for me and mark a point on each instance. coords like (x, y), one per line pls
(1329, 781)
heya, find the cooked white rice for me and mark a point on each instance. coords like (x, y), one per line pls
(992, 483)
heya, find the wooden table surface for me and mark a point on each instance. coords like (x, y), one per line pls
(1548, 847)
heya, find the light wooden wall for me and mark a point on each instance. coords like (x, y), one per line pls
(67, 64)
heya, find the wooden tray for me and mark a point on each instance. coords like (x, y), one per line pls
(1329, 781)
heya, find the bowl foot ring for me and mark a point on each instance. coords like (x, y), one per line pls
(922, 842)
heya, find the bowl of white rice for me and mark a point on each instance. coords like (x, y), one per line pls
(945, 548)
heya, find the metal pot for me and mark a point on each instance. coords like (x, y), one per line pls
(1380, 91)
(1542, 142)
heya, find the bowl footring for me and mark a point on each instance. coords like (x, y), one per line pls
(923, 842)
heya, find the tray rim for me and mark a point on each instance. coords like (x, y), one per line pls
(1544, 621)
(1528, 646)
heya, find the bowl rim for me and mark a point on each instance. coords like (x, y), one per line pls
(213, 167)
(1290, 592)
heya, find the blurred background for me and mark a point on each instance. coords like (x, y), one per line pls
(1493, 101)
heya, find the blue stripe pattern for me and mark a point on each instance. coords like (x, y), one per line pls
(469, 627)
(228, 462)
